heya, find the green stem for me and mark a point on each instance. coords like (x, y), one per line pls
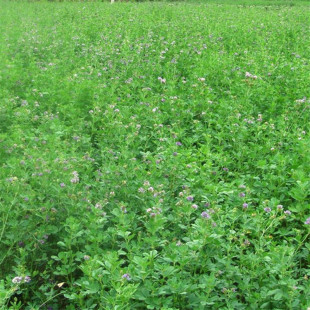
(49, 300)
(302, 242)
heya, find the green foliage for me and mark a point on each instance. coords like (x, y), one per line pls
(154, 155)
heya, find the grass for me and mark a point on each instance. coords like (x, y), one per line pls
(154, 155)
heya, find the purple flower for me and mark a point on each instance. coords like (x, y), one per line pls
(246, 242)
(126, 276)
(249, 75)
(17, 280)
(242, 194)
(279, 207)
(175, 154)
(288, 212)
(307, 222)
(161, 80)
(190, 198)
(62, 184)
(245, 205)
(267, 210)
(226, 169)
(98, 206)
(27, 279)
(75, 179)
(205, 215)
(194, 206)
(178, 143)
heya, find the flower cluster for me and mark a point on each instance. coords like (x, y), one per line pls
(75, 178)
(205, 215)
(20, 279)
(154, 211)
(249, 75)
(161, 80)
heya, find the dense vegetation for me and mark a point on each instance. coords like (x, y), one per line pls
(154, 156)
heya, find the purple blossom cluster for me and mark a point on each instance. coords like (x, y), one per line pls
(75, 178)
(126, 276)
(205, 215)
(154, 211)
(20, 279)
